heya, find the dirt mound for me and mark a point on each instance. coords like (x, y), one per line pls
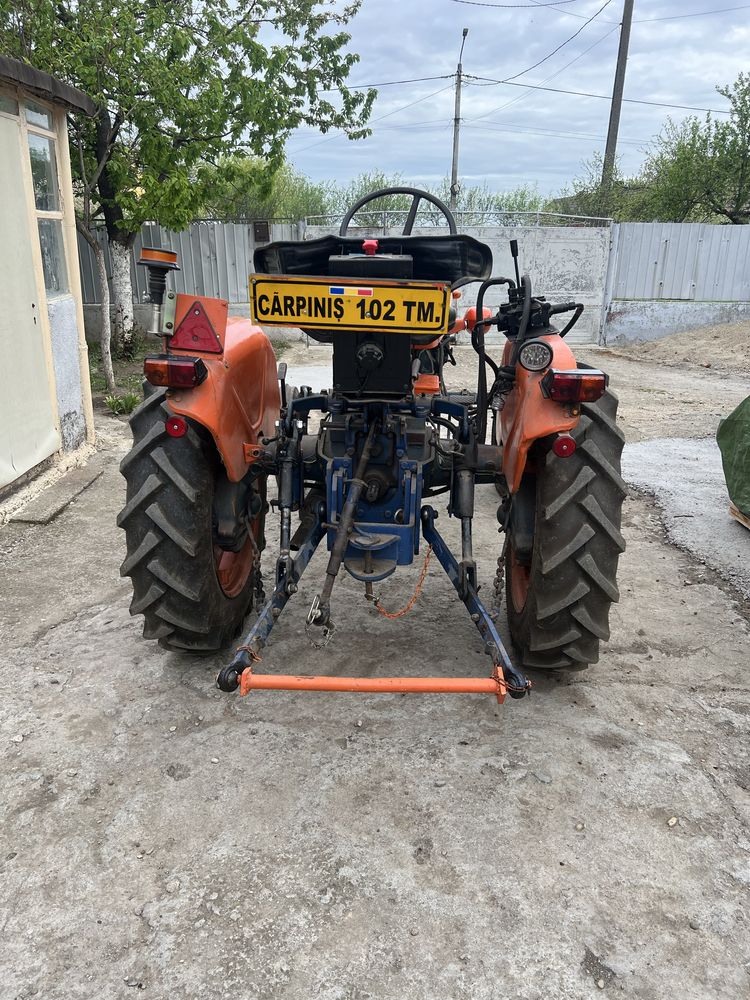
(725, 347)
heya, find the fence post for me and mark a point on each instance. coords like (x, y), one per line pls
(609, 281)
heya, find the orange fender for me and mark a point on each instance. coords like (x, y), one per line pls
(528, 415)
(239, 401)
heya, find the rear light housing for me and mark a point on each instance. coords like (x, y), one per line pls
(173, 372)
(579, 386)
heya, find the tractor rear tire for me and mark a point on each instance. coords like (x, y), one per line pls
(168, 521)
(558, 606)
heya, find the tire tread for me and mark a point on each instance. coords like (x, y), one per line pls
(168, 531)
(576, 549)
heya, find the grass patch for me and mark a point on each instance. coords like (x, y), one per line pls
(280, 347)
(128, 371)
(122, 404)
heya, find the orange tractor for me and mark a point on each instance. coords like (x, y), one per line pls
(219, 424)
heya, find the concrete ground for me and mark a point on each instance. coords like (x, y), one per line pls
(160, 837)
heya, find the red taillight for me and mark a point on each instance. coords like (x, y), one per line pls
(176, 427)
(580, 386)
(563, 445)
(173, 372)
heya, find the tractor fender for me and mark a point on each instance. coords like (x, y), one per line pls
(239, 401)
(528, 415)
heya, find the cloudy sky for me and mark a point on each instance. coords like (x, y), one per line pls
(512, 135)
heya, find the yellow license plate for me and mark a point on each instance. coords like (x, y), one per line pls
(350, 304)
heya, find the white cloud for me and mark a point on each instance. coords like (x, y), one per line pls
(677, 61)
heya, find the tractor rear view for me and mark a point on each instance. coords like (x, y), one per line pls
(219, 435)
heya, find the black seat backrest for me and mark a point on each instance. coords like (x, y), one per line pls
(455, 259)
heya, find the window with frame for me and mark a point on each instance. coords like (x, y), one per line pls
(42, 144)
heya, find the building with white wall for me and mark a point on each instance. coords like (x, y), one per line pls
(45, 400)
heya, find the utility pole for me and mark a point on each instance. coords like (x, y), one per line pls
(614, 114)
(457, 125)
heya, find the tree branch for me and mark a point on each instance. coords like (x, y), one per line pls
(85, 232)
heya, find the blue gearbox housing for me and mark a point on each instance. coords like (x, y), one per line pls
(386, 531)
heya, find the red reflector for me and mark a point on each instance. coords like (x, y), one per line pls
(563, 445)
(176, 427)
(195, 332)
(580, 386)
(174, 373)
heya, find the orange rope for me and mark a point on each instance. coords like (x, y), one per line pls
(414, 597)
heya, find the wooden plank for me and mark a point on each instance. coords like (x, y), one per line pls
(739, 516)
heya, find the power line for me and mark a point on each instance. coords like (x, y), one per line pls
(569, 13)
(512, 128)
(395, 111)
(602, 97)
(562, 44)
(493, 126)
(515, 6)
(699, 13)
(541, 6)
(522, 97)
(388, 83)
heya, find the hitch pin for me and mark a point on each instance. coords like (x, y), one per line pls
(314, 613)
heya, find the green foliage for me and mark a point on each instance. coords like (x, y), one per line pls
(700, 170)
(122, 404)
(179, 83)
(478, 201)
(695, 171)
(247, 187)
(620, 199)
(251, 188)
(128, 370)
(344, 195)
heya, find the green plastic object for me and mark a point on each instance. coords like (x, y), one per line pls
(733, 438)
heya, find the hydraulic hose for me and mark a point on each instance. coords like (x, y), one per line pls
(477, 342)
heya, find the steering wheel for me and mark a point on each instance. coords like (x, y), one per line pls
(416, 195)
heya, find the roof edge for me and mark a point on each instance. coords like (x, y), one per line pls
(43, 85)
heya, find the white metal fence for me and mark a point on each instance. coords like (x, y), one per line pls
(215, 258)
(602, 266)
(690, 261)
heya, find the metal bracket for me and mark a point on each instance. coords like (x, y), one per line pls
(228, 677)
(168, 313)
(516, 683)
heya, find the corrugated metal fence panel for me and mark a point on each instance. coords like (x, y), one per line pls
(215, 258)
(689, 261)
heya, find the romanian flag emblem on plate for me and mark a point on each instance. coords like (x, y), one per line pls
(348, 290)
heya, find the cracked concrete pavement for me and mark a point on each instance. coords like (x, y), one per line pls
(159, 837)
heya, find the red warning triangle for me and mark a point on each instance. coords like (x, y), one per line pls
(195, 332)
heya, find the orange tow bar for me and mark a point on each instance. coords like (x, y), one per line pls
(496, 684)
